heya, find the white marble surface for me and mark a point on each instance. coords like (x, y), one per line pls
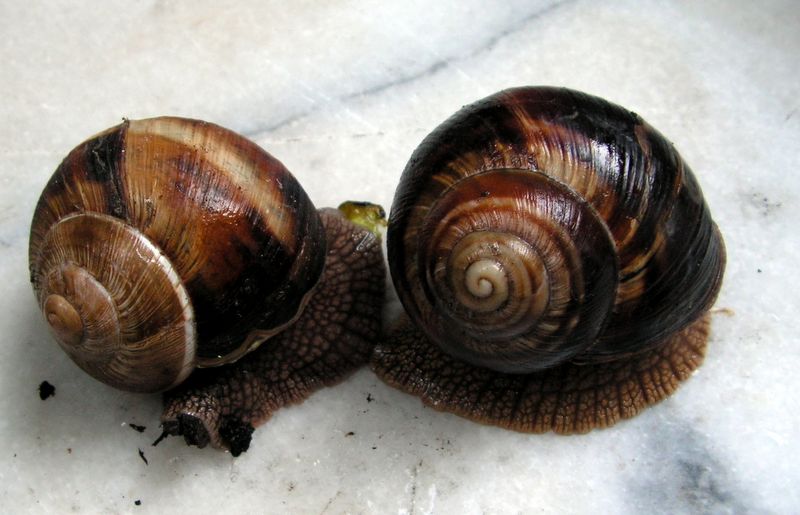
(342, 92)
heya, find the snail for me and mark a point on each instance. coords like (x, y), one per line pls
(166, 244)
(556, 261)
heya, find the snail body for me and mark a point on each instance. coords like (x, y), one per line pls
(546, 240)
(166, 244)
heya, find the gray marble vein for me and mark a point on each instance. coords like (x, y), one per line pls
(692, 478)
(514, 24)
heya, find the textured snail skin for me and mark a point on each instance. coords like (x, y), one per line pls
(334, 336)
(556, 260)
(564, 399)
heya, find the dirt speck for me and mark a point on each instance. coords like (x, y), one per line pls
(46, 390)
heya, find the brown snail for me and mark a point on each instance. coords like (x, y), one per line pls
(166, 244)
(556, 259)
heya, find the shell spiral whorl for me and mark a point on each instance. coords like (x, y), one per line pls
(190, 244)
(544, 225)
(97, 279)
(518, 271)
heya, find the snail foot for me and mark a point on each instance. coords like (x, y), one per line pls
(569, 398)
(191, 428)
(237, 435)
(333, 337)
(234, 435)
(199, 420)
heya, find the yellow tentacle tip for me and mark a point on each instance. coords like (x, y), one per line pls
(370, 216)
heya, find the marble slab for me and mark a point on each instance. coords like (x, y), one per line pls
(342, 92)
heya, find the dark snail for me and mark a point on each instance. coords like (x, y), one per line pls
(557, 262)
(164, 244)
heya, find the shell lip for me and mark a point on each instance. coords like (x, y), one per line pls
(254, 339)
(313, 249)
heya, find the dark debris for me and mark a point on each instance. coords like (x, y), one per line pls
(46, 390)
(163, 435)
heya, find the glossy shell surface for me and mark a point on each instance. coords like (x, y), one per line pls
(543, 225)
(234, 241)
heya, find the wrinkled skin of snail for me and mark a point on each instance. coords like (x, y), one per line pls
(556, 261)
(166, 244)
(335, 335)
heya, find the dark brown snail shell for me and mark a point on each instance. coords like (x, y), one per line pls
(163, 244)
(559, 251)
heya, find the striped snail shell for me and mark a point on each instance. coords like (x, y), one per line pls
(549, 239)
(163, 244)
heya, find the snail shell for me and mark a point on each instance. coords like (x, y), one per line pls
(163, 244)
(538, 230)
